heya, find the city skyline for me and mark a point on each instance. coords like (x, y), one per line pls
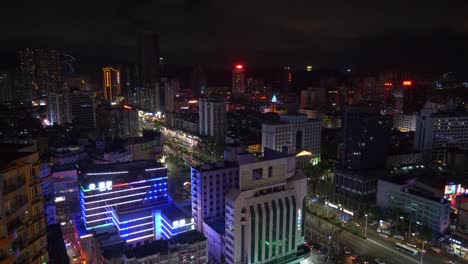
(334, 35)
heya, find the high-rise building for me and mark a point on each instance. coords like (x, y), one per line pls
(112, 90)
(404, 122)
(261, 219)
(293, 130)
(58, 107)
(198, 78)
(212, 118)
(82, 109)
(238, 79)
(22, 224)
(119, 121)
(170, 89)
(436, 131)
(366, 140)
(313, 98)
(6, 91)
(40, 71)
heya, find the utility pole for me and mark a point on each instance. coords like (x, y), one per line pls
(422, 252)
(365, 230)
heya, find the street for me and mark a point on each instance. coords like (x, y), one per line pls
(375, 246)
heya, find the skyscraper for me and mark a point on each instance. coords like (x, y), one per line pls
(251, 210)
(198, 79)
(112, 90)
(212, 118)
(238, 79)
(82, 109)
(58, 107)
(366, 140)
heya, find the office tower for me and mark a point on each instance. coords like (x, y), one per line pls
(366, 140)
(22, 225)
(313, 98)
(238, 79)
(212, 118)
(436, 131)
(6, 91)
(198, 79)
(117, 121)
(263, 208)
(404, 122)
(293, 130)
(82, 109)
(40, 71)
(170, 89)
(112, 90)
(58, 107)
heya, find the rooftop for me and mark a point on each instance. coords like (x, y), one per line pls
(218, 225)
(174, 213)
(6, 158)
(155, 247)
(189, 237)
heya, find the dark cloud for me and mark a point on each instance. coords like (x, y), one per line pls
(262, 32)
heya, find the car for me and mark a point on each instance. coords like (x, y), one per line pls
(347, 251)
(373, 223)
(436, 249)
(399, 237)
(75, 258)
(379, 261)
(379, 230)
(453, 262)
(354, 257)
(357, 224)
(386, 232)
(384, 235)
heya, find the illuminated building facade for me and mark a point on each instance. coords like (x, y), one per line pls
(238, 79)
(295, 129)
(254, 213)
(82, 109)
(22, 219)
(404, 122)
(58, 107)
(438, 131)
(112, 87)
(131, 197)
(213, 119)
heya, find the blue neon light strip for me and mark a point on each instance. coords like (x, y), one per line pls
(136, 232)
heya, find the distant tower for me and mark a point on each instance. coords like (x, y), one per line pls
(198, 82)
(213, 119)
(273, 104)
(238, 79)
(112, 88)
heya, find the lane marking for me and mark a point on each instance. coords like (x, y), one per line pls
(391, 249)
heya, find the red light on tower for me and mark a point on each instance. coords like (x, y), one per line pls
(388, 84)
(407, 83)
(239, 66)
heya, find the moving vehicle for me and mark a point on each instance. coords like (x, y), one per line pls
(386, 232)
(436, 249)
(399, 237)
(379, 230)
(379, 261)
(347, 251)
(354, 257)
(406, 249)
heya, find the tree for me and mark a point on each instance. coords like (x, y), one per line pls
(427, 234)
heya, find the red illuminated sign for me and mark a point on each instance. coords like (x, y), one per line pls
(239, 66)
(127, 107)
(388, 84)
(407, 83)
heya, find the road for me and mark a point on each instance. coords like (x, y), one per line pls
(377, 246)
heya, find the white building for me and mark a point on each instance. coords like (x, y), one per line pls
(432, 212)
(293, 129)
(405, 122)
(263, 209)
(439, 130)
(212, 118)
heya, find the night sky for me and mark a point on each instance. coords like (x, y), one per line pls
(411, 34)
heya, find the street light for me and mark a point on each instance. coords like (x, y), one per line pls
(365, 230)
